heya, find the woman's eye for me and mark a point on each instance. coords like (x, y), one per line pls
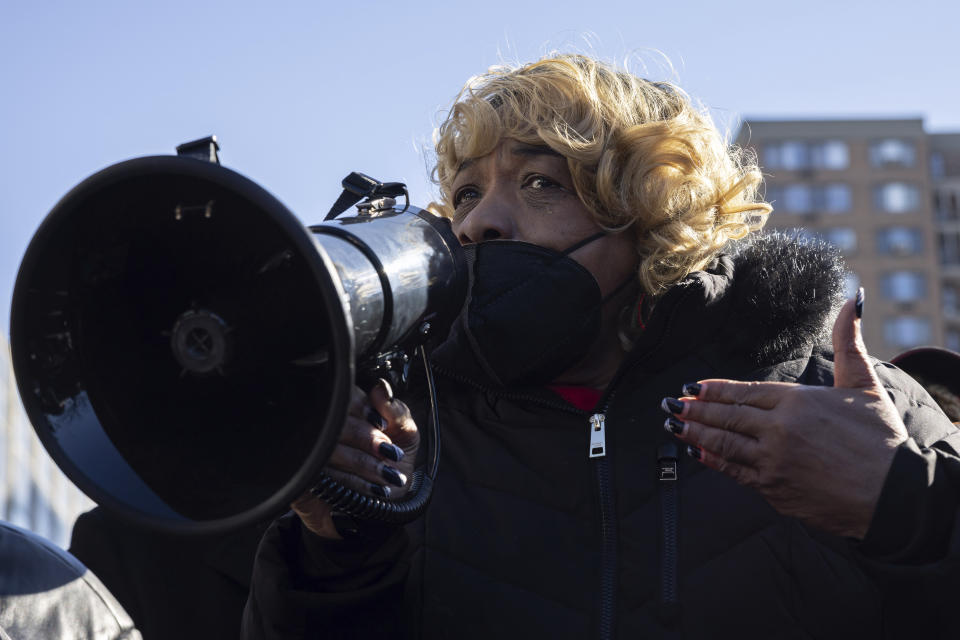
(463, 195)
(540, 182)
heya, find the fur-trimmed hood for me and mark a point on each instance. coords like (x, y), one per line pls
(787, 291)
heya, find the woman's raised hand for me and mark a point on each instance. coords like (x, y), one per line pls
(819, 454)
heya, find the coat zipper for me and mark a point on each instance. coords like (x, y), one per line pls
(598, 453)
(602, 473)
(608, 528)
(608, 532)
(667, 474)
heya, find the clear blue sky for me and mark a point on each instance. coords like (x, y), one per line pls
(301, 94)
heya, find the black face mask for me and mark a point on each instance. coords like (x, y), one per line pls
(532, 312)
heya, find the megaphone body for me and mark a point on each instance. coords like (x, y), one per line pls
(186, 349)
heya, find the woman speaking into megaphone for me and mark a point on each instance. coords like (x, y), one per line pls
(618, 280)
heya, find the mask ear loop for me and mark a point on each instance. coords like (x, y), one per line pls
(584, 242)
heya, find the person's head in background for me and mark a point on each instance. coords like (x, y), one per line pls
(938, 371)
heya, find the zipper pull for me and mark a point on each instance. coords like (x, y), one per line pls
(667, 455)
(598, 435)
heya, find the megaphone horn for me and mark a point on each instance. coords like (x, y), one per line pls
(185, 348)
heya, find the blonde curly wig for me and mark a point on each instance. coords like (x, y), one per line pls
(643, 158)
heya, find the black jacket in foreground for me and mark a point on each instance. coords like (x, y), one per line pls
(172, 586)
(46, 593)
(528, 537)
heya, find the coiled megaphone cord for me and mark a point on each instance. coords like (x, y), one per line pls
(413, 504)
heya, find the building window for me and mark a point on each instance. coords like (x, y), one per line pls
(797, 198)
(799, 154)
(843, 238)
(893, 152)
(950, 300)
(804, 198)
(899, 241)
(936, 165)
(907, 331)
(904, 286)
(896, 197)
(945, 204)
(835, 198)
(793, 155)
(831, 154)
(949, 244)
(771, 156)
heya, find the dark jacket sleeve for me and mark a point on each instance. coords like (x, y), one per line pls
(172, 586)
(914, 521)
(305, 586)
(94, 542)
(912, 548)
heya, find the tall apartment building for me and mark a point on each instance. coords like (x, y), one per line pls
(881, 191)
(34, 494)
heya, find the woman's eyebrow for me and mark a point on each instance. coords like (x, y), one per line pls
(520, 149)
(534, 150)
(463, 165)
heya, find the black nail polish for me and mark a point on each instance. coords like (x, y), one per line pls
(387, 389)
(859, 303)
(694, 452)
(674, 426)
(376, 419)
(379, 490)
(393, 476)
(671, 405)
(391, 451)
(691, 389)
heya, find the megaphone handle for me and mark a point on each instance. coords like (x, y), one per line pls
(347, 501)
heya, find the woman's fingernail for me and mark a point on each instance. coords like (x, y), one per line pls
(390, 451)
(694, 452)
(393, 476)
(674, 426)
(671, 405)
(380, 490)
(376, 419)
(387, 389)
(859, 303)
(692, 389)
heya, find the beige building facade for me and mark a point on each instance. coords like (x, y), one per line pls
(868, 187)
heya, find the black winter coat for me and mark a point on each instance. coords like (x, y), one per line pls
(529, 537)
(172, 586)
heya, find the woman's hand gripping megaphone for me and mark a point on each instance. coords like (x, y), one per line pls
(374, 456)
